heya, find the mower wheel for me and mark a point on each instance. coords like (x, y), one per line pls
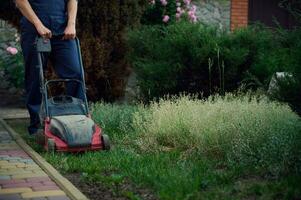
(40, 137)
(105, 142)
(51, 145)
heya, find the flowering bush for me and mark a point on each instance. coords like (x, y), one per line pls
(11, 60)
(168, 11)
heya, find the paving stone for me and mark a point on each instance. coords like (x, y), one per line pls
(3, 170)
(45, 188)
(49, 183)
(10, 197)
(15, 190)
(15, 172)
(20, 177)
(27, 160)
(58, 198)
(14, 161)
(23, 176)
(21, 185)
(4, 177)
(43, 194)
(19, 165)
(31, 165)
(13, 158)
(4, 156)
(2, 182)
(8, 146)
(39, 198)
(31, 168)
(38, 179)
(8, 166)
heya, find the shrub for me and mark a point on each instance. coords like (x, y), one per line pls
(289, 90)
(11, 65)
(166, 57)
(281, 56)
(244, 130)
(13, 69)
(193, 58)
(174, 59)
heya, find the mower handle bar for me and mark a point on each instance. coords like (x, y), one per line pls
(43, 85)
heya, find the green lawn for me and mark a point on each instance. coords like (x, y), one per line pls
(222, 148)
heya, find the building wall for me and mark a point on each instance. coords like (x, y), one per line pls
(214, 12)
(239, 13)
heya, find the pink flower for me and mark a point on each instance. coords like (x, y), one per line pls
(153, 2)
(164, 2)
(187, 2)
(192, 14)
(12, 50)
(178, 16)
(165, 18)
(193, 8)
(193, 19)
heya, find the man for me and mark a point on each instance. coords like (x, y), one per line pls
(48, 18)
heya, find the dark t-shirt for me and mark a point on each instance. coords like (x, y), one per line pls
(53, 15)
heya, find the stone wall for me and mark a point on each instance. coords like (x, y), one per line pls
(214, 12)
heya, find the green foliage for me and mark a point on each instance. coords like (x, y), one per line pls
(289, 90)
(11, 66)
(194, 58)
(281, 55)
(169, 59)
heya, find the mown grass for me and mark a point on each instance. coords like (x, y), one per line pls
(182, 148)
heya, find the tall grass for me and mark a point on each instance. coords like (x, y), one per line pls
(245, 130)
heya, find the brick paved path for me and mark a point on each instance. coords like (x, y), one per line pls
(21, 177)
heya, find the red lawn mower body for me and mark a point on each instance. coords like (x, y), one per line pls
(61, 146)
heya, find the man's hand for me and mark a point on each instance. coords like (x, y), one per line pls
(70, 32)
(43, 31)
(27, 11)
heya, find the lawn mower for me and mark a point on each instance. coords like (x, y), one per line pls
(67, 125)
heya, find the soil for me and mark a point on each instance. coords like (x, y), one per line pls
(98, 191)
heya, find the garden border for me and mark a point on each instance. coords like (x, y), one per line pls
(62, 182)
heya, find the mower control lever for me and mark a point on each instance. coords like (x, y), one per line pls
(43, 45)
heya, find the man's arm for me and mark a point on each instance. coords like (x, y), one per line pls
(27, 11)
(70, 31)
